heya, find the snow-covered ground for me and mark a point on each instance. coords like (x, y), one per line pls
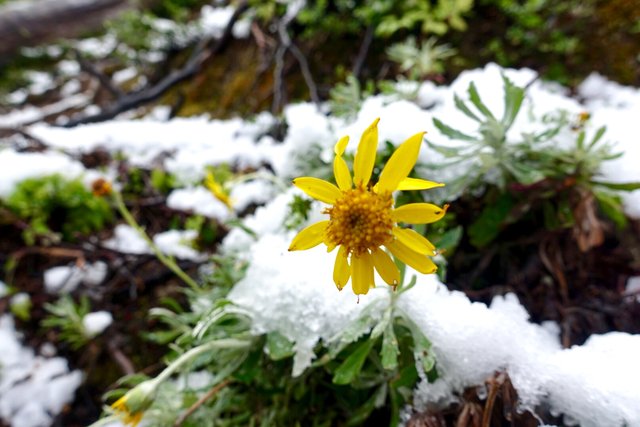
(596, 384)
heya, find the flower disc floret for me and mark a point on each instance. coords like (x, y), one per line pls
(360, 221)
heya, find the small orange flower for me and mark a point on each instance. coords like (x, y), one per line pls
(101, 187)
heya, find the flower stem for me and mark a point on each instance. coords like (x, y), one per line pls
(166, 260)
(186, 357)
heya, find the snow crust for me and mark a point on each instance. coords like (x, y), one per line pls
(595, 384)
(16, 167)
(65, 279)
(126, 239)
(33, 389)
(95, 323)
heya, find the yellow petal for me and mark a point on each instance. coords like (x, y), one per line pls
(385, 267)
(342, 174)
(361, 273)
(418, 262)
(341, 145)
(366, 154)
(414, 240)
(318, 189)
(400, 164)
(419, 213)
(417, 184)
(330, 245)
(341, 270)
(309, 237)
(217, 190)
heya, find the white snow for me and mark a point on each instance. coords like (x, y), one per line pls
(62, 279)
(4, 289)
(65, 278)
(213, 21)
(256, 191)
(33, 389)
(293, 293)
(198, 200)
(126, 239)
(596, 384)
(95, 323)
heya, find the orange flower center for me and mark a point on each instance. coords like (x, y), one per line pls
(360, 220)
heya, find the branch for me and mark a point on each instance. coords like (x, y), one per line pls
(287, 44)
(104, 80)
(208, 395)
(362, 53)
(137, 99)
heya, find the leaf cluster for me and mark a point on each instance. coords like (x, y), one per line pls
(387, 17)
(420, 61)
(66, 316)
(531, 172)
(54, 205)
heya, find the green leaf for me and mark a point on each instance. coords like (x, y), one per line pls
(513, 97)
(377, 399)
(460, 105)
(524, 173)
(611, 206)
(597, 136)
(449, 240)
(389, 351)
(474, 96)
(382, 324)
(351, 367)
(451, 132)
(422, 350)
(278, 346)
(490, 222)
(619, 186)
(354, 330)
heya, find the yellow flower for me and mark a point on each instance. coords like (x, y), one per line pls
(362, 217)
(132, 405)
(128, 418)
(218, 191)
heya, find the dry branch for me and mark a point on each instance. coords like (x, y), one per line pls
(28, 23)
(202, 52)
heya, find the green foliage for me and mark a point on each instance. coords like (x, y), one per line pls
(386, 16)
(163, 181)
(432, 18)
(535, 28)
(345, 98)
(21, 305)
(177, 10)
(54, 204)
(374, 363)
(534, 171)
(420, 61)
(299, 208)
(66, 316)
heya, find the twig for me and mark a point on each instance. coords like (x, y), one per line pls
(208, 395)
(120, 358)
(306, 73)
(362, 53)
(133, 100)
(287, 44)
(104, 80)
(278, 83)
(494, 383)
